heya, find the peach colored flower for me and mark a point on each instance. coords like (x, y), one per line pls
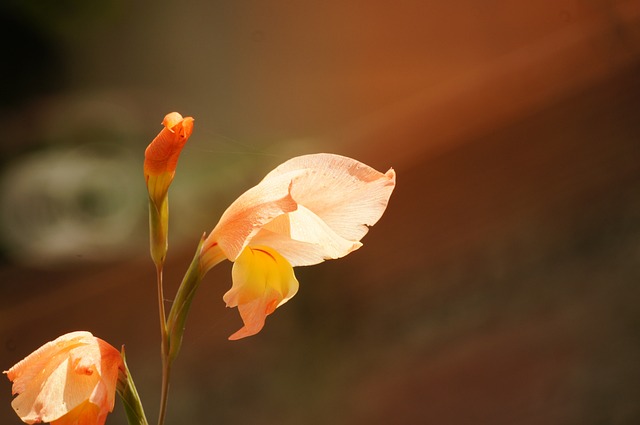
(161, 156)
(71, 380)
(309, 209)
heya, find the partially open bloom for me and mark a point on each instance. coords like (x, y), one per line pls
(309, 209)
(68, 381)
(161, 156)
(160, 161)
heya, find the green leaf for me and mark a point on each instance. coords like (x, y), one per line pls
(181, 305)
(129, 395)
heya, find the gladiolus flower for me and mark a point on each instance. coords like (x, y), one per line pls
(71, 380)
(161, 156)
(309, 209)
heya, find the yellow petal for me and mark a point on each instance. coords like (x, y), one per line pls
(262, 281)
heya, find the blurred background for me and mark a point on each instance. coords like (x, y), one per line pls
(500, 287)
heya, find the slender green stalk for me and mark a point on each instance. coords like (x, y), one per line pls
(172, 326)
(164, 351)
(166, 372)
(158, 231)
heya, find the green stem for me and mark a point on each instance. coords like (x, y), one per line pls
(164, 394)
(158, 240)
(164, 352)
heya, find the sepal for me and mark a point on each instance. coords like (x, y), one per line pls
(159, 230)
(126, 389)
(181, 305)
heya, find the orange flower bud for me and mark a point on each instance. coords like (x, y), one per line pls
(161, 156)
(160, 161)
(163, 152)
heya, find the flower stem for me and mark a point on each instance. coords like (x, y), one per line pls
(166, 370)
(166, 362)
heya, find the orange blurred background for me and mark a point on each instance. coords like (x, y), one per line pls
(501, 285)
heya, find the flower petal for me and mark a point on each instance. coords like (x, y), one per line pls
(64, 374)
(262, 281)
(163, 152)
(85, 413)
(252, 210)
(346, 194)
(303, 238)
(161, 156)
(106, 361)
(33, 376)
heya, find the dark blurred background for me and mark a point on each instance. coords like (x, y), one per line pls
(500, 287)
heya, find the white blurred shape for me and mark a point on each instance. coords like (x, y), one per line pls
(58, 206)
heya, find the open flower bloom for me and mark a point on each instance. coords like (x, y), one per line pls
(71, 380)
(161, 156)
(309, 209)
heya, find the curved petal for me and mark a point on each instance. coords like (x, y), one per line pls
(252, 210)
(340, 194)
(33, 376)
(103, 359)
(85, 413)
(163, 152)
(161, 156)
(303, 238)
(262, 281)
(346, 194)
(65, 389)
